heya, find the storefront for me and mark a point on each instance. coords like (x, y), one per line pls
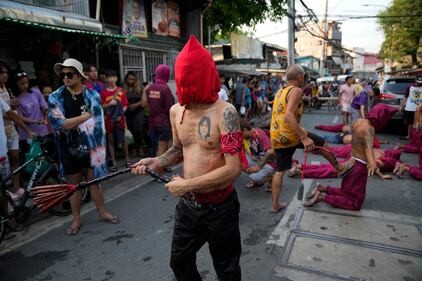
(158, 32)
(34, 38)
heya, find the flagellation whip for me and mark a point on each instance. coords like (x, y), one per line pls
(48, 196)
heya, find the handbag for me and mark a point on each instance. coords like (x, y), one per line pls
(76, 147)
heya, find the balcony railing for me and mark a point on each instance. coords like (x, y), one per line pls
(80, 7)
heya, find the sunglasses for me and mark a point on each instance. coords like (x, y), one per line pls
(21, 74)
(68, 75)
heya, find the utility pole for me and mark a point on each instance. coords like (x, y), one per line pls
(291, 38)
(324, 42)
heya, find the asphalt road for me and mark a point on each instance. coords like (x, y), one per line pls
(139, 247)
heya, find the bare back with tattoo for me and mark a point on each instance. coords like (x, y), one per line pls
(196, 135)
(363, 140)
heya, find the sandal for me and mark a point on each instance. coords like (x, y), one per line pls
(113, 169)
(253, 184)
(113, 220)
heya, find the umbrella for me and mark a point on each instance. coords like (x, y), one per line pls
(48, 196)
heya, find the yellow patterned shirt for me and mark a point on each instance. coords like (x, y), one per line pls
(282, 136)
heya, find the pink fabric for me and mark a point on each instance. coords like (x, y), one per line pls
(330, 128)
(342, 151)
(380, 115)
(351, 194)
(415, 141)
(388, 163)
(415, 172)
(393, 153)
(320, 171)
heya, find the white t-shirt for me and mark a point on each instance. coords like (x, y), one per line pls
(223, 94)
(415, 96)
(4, 107)
(347, 93)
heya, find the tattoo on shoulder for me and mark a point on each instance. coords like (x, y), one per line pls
(369, 138)
(231, 120)
(204, 128)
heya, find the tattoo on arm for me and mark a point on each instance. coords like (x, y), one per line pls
(204, 128)
(171, 157)
(369, 137)
(231, 120)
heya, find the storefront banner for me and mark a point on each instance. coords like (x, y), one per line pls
(134, 23)
(159, 18)
(173, 18)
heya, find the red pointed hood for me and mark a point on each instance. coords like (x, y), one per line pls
(196, 75)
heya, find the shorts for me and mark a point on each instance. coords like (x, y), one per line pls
(72, 165)
(408, 117)
(13, 142)
(283, 156)
(161, 133)
(346, 107)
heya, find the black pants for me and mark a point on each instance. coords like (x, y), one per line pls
(216, 224)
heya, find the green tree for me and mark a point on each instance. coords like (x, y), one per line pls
(230, 15)
(403, 34)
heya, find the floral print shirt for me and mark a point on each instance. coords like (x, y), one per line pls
(92, 130)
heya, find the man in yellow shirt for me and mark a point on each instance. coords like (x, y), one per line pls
(286, 133)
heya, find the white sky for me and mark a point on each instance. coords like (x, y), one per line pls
(362, 33)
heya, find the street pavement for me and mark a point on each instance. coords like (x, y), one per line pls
(383, 241)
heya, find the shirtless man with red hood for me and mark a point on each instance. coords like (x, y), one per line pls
(207, 138)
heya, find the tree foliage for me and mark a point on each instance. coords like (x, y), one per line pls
(230, 15)
(402, 34)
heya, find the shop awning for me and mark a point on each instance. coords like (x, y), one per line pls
(51, 19)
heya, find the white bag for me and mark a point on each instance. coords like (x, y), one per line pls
(242, 110)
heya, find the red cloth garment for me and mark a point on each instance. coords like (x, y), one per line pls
(353, 189)
(196, 75)
(377, 143)
(319, 171)
(416, 172)
(380, 115)
(214, 197)
(106, 97)
(160, 99)
(342, 151)
(330, 128)
(415, 141)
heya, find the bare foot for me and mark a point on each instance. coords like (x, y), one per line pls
(280, 207)
(318, 188)
(110, 218)
(396, 168)
(317, 198)
(295, 170)
(73, 228)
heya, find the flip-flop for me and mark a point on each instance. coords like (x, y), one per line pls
(311, 202)
(253, 184)
(113, 220)
(281, 207)
(72, 231)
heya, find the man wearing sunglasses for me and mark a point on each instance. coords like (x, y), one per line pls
(77, 117)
